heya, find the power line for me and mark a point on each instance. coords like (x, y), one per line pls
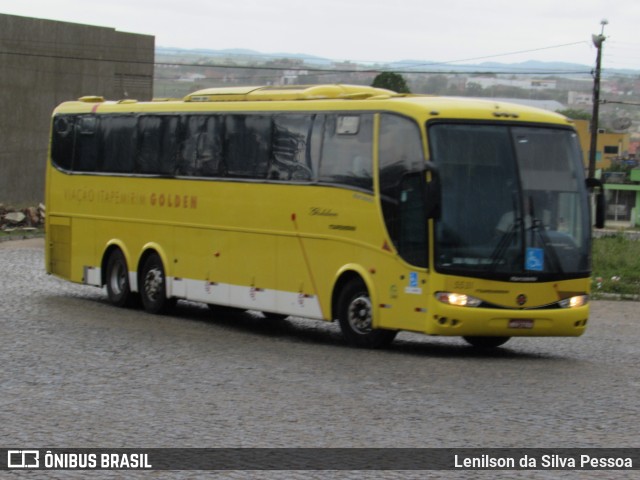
(297, 68)
(502, 54)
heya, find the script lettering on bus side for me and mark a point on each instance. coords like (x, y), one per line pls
(322, 212)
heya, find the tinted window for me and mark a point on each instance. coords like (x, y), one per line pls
(347, 150)
(247, 141)
(512, 201)
(119, 143)
(210, 148)
(400, 152)
(201, 148)
(157, 144)
(62, 141)
(291, 157)
(86, 155)
(401, 185)
(287, 147)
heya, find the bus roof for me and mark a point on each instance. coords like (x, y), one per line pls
(294, 96)
(288, 92)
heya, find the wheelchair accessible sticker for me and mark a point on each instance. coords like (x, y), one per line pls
(413, 287)
(534, 260)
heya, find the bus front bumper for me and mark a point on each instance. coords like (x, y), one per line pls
(464, 321)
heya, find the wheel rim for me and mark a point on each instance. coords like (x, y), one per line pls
(153, 284)
(118, 279)
(359, 314)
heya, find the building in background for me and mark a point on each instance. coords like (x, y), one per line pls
(622, 185)
(610, 146)
(43, 63)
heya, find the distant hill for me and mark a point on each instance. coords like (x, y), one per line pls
(245, 54)
(532, 66)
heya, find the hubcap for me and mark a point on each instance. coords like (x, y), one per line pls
(153, 284)
(360, 314)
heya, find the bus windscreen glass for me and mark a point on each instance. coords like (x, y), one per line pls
(513, 202)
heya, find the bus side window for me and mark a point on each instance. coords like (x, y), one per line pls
(119, 143)
(247, 145)
(157, 145)
(210, 149)
(62, 141)
(149, 138)
(86, 155)
(347, 150)
(193, 126)
(402, 180)
(315, 143)
(290, 158)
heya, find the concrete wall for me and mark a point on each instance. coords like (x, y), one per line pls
(43, 63)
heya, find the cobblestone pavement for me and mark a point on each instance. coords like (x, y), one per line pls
(78, 372)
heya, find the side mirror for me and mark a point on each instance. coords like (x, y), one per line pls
(596, 187)
(433, 191)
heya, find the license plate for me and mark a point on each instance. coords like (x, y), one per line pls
(521, 323)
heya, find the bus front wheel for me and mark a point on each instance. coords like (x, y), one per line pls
(355, 314)
(117, 280)
(154, 286)
(486, 342)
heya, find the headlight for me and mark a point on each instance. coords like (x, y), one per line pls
(573, 302)
(458, 299)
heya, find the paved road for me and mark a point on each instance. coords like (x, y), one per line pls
(77, 372)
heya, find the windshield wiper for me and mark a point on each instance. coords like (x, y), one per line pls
(507, 236)
(503, 243)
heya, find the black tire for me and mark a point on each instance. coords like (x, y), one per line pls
(486, 342)
(274, 317)
(355, 314)
(117, 280)
(223, 310)
(153, 286)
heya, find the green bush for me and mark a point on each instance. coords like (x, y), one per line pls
(616, 265)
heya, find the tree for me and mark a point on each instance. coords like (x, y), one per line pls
(474, 89)
(574, 114)
(436, 85)
(391, 81)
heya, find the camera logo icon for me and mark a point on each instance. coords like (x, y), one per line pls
(23, 458)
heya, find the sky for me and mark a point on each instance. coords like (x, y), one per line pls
(441, 31)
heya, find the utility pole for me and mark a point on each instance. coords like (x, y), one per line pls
(598, 40)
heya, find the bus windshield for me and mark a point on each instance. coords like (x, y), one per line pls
(513, 202)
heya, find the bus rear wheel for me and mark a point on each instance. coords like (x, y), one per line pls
(355, 314)
(117, 280)
(154, 286)
(486, 342)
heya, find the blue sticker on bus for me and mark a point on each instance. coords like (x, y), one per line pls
(413, 280)
(534, 259)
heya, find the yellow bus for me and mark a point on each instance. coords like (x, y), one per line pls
(382, 211)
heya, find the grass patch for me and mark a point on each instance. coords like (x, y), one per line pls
(616, 265)
(19, 233)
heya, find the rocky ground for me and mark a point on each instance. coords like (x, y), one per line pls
(26, 220)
